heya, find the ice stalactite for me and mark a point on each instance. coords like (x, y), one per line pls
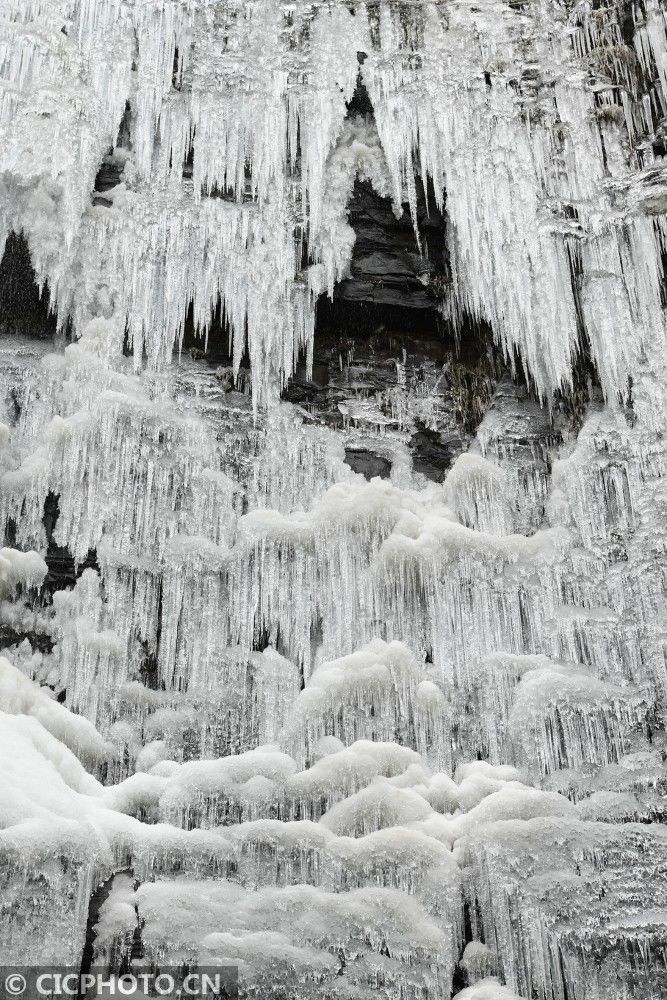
(351, 733)
(539, 183)
(587, 869)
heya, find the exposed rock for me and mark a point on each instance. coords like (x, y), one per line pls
(63, 570)
(368, 463)
(387, 266)
(24, 310)
(433, 453)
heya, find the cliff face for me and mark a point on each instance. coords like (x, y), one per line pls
(334, 399)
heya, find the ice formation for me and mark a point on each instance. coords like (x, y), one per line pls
(356, 736)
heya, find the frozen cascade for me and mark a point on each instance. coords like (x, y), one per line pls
(358, 686)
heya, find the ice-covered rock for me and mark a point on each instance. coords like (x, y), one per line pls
(399, 734)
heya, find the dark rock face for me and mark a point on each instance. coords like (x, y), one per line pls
(63, 570)
(360, 353)
(23, 310)
(387, 265)
(368, 463)
(39, 641)
(214, 347)
(112, 166)
(108, 176)
(404, 366)
(392, 265)
(433, 453)
(383, 352)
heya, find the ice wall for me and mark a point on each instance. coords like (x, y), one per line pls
(536, 121)
(392, 736)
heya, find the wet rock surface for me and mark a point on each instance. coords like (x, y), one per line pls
(389, 267)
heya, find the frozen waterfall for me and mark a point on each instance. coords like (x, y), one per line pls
(333, 485)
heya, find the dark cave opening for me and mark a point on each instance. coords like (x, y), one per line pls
(24, 310)
(388, 305)
(213, 348)
(363, 348)
(110, 171)
(63, 570)
(360, 103)
(385, 322)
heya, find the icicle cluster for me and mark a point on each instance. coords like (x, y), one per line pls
(226, 123)
(336, 715)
